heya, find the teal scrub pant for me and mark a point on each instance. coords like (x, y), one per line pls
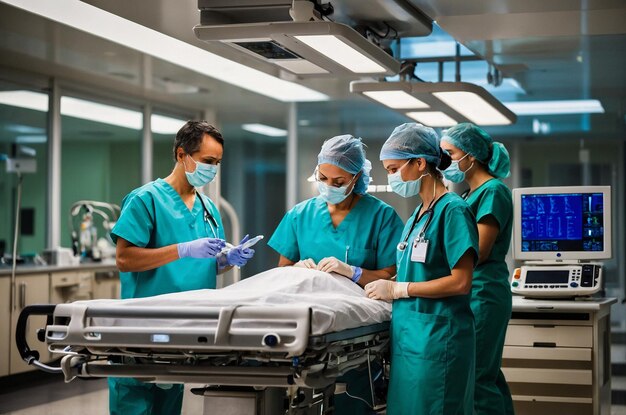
(132, 397)
(492, 395)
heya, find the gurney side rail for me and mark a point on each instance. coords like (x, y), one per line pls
(31, 357)
(233, 328)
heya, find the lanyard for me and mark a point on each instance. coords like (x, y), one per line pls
(208, 218)
(430, 212)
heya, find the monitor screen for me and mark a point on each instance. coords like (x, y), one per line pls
(562, 223)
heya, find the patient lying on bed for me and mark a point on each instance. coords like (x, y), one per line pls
(337, 303)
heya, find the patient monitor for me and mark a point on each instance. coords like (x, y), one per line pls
(560, 233)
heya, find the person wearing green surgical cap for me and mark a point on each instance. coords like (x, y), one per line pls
(346, 231)
(432, 325)
(481, 162)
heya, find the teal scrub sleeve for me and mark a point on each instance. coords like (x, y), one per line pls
(496, 204)
(388, 237)
(285, 239)
(136, 222)
(460, 234)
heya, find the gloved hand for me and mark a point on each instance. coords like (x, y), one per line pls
(306, 263)
(201, 248)
(386, 290)
(236, 256)
(332, 264)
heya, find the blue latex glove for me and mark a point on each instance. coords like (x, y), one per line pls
(236, 256)
(201, 248)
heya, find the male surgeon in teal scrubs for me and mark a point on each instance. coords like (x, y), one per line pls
(170, 239)
(343, 230)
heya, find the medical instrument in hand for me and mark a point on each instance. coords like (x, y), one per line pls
(248, 244)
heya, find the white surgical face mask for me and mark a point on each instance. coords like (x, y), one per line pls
(454, 172)
(404, 189)
(203, 175)
(331, 194)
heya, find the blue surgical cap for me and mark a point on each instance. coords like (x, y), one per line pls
(347, 153)
(475, 141)
(411, 141)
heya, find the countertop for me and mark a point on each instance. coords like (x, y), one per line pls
(107, 265)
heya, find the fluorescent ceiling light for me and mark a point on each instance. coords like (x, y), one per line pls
(107, 114)
(581, 106)
(160, 124)
(473, 107)
(81, 16)
(305, 48)
(264, 130)
(31, 139)
(25, 99)
(447, 102)
(432, 118)
(342, 53)
(396, 99)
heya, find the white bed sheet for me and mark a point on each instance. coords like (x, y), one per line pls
(337, 303)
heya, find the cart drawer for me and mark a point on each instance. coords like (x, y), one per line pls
(553, 376)
(549, 336)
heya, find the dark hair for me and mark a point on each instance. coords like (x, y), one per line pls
(190, 136)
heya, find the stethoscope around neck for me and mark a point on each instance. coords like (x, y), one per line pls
(420, 237)
(208, 218)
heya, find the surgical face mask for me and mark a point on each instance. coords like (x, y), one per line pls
(331, 194)
(454, 172)
(203, 175)
(404, 189)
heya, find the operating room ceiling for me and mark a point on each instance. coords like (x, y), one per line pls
(554, 50)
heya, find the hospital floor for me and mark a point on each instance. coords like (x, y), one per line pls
(43, 394)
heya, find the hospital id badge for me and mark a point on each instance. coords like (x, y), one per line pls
(418, 253)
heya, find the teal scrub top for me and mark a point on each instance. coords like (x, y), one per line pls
(432, 339)
(154, 216)
(493, 198)
(366, 238)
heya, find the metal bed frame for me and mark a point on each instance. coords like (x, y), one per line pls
(260, 347)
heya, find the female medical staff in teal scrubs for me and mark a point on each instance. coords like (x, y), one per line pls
(343, 230)
(432, 337)
(480, 162)
(169, 239)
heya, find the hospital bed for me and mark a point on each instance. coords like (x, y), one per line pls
(280, 338)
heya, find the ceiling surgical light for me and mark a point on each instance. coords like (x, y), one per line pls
(447, 103)
(396, 99)
(307, 48)
(576, 106)
(342, 53)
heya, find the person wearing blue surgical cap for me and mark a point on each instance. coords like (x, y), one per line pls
(343, 230)
(481, 162)
(432, 325)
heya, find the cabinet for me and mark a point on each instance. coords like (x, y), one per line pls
(5, 324)
(556, 356)
(69, 286)
(106, 284)
(31, 289)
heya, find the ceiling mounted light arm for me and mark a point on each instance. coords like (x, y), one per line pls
(438, 104)
(307, 47)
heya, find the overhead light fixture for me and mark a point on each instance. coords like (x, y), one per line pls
(160, 124)
(264, 130)
(576, 106)
(81, 16)
(307, 49)
(396, 99)
(439, 104)
(102, 113)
